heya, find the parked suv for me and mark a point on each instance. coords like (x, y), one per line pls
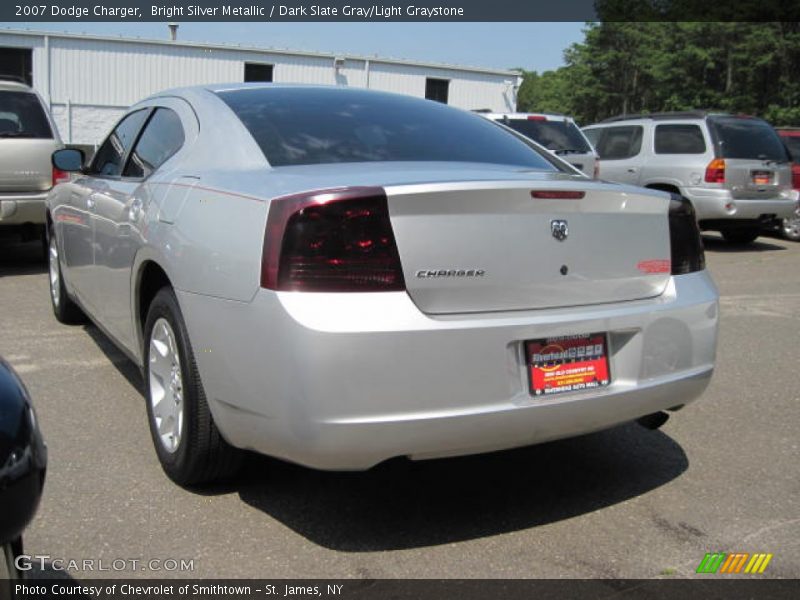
(790, 228)
(557, 133)
(733, 168)
(28, 137)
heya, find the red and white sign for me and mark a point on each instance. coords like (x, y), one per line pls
(568, 364)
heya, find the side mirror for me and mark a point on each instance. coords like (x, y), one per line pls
(68, 159)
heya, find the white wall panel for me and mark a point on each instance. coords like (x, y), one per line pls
(85, 124)
(467, 90)
(101, 76)
(120, 73)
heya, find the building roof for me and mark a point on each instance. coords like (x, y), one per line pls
(258, 50)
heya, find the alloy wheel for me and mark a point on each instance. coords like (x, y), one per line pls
(55, 272)
(166, 385)
(791, 228)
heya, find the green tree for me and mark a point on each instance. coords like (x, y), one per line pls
(630, 67)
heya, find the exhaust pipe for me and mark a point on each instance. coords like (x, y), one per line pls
(654, 420)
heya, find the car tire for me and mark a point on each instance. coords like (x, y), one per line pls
(189, 446)
(741, 235)
(64, 308)
(790, 228)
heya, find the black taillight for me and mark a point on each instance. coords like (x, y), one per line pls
(331, 241)
(684, 237)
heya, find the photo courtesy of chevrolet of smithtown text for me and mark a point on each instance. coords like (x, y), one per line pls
(425, 299)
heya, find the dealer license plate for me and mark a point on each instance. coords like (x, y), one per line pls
(567, 364)
(761, 177)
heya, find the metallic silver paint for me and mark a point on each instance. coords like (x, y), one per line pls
(686, 173)
(345, 380)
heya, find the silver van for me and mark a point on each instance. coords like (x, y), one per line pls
(28, 138)
(558, 133)
(733, 168)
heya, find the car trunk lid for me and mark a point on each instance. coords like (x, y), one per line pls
(506, 245)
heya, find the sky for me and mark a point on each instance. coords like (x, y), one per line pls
(531, 46)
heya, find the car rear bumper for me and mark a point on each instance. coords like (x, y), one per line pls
(716, 204)
(345, 381)
(20, 208)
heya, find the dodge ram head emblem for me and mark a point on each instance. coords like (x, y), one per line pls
(559, 229)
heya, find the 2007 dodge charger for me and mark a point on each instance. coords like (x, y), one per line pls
(336, 277)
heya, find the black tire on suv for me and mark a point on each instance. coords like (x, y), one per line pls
(741, 235)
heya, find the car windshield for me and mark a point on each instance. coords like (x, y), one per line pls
(305, 126)
(793, 144)
(21, 115)
(740, 137)
(559, 136)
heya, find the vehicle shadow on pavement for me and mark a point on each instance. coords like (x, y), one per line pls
(116, 357)
(403, 504)
(717, 244)
(18, 258)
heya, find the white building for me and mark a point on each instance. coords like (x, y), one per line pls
(90, 80)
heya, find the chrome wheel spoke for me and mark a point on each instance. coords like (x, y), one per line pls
(55, 275)
(166, 426)
(166, 385)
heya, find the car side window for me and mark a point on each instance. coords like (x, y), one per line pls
(679, 139)
(593, 135)
(108, 159)
(617, 143)
(162, 137)
(21, 115)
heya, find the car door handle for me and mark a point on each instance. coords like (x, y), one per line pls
(90, 203)
(632, 170)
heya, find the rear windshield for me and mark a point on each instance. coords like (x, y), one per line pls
(560, 136)
(306, 126)
(793, 144)
(21, 115)
(739, 137)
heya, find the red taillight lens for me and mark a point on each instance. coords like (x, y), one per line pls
(59, 176)
(557, 194)
(715, 171)
(331, 241)
(536, 118)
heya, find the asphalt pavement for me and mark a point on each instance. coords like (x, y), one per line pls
(722, 475)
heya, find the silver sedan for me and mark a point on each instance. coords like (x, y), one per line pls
(336, 277)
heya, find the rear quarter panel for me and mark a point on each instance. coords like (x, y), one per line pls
(215, 244)
(206, 229)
